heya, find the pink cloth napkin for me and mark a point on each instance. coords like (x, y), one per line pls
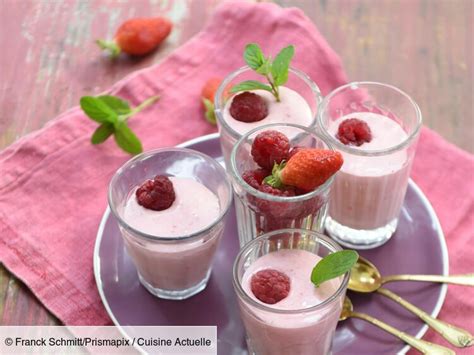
(53, 182)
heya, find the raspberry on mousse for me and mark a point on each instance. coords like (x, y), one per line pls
(157, 194)
(270, 286)
(248, 107)
(354, 132)
(270, 147)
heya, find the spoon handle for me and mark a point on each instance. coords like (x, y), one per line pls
(456, 336)
(423, 346)
(465, 280)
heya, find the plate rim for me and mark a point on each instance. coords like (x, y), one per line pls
(201, 139)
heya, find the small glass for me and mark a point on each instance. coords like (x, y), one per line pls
(297, 81)
(369, 190)
(171, 267)
(259, 212)
(273, 331)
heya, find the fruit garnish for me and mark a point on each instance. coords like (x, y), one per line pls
(113, 113)
(208, 93)
(255, 177)
(270, 286)
(295, 150)
(270, 148)
(138, 36)
(248, 107)
(157, 194)
(354, 132)
(276, 71)
(306, 170)
(333, 265)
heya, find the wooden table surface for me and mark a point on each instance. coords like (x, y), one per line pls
(49, 61)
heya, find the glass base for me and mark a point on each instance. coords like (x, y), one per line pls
(175, 295)
(360, 238)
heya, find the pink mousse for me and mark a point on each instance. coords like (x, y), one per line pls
(176, 265)
(369, 190)
(303, 333)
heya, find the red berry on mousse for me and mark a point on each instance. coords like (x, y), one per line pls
(157, 194)
(270, 147)
(248, 107)
(354, 132)
(270, 286)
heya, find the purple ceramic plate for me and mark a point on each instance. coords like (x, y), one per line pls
(418, 247)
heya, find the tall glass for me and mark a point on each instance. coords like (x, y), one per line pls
(369, 190)
(171, 267)
(230, 134)
(259, 212)
(274, 331)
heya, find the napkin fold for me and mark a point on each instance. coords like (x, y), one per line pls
(53, 182)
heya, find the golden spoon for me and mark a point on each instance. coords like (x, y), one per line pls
(423, 346)
(366, 278)
(372, 280)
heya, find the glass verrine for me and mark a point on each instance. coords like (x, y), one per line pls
(369, 190)
(175, 264)
(300, 99)
(305, 321)
(259, 212)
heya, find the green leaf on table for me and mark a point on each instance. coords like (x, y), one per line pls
(281, 64)
(250, 85)
(210, 115)
(97, 110)
(126, 139)
(104, 131)
(119, 106)
(253, 56)
(333, 265)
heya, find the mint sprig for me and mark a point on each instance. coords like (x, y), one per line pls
(113, 113)
(333, 265)
(276, 71)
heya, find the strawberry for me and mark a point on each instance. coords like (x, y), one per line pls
(138, 36)
(207, 97)
(307, 169)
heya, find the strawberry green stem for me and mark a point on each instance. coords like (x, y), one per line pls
(274, 180)
(110, 46)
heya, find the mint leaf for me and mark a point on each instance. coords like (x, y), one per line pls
(250, 85)
(253, 56)
(333, 265)
(265, 68)
(127, 140)
(97, 110)
(281, 64)
(119, 106)
(104, 131)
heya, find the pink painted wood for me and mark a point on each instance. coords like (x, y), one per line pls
(50, 60)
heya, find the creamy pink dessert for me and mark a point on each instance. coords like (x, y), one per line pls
(292, 108)
(299, 332)
(177, 265)
(368, 191)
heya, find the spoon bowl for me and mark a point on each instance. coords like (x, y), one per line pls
(364, 277)
(347, 309)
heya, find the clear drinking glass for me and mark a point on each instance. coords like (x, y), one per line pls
(171, 267)
(259, 212)
(369, 190)
(274, 331)
(229, 135)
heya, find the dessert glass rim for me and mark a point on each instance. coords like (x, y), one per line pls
(218, 109)
(195, 235)
(364, 152)
(323, 239)
(260, 194)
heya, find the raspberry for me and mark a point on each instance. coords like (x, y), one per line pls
(157, 194)
(270, 147)
(354, 132)
(255, 177)
(248, 107)
(270, 286)
(286, 192)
